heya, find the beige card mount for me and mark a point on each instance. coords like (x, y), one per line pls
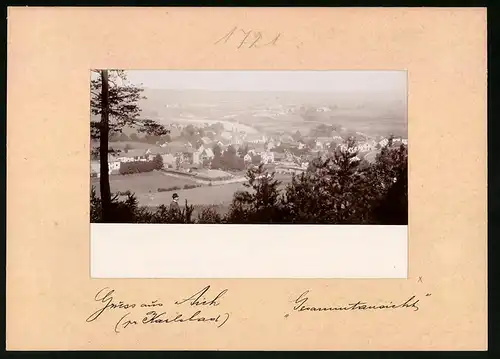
(77, 285)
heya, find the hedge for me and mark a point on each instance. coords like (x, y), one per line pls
(137, 167)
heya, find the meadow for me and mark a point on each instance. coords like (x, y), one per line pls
(143, 183)
(145, 186)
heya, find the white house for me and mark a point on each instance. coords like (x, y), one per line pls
(247, 158)
(197, 155)
(206, 140)
(208, 154)
(114, 167)
(132, 155)
(384, 142)
(364, 147)
(226, 135)
(95, 168)
(270, 146)
(267, 157)
(353, 149)
(168, 159)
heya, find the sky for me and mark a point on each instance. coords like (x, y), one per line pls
(303, 81)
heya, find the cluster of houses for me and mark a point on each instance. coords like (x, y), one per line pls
(183, 155)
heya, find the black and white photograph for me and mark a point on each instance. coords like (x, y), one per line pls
(250, 148)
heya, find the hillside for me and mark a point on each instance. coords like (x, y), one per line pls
(263, 111)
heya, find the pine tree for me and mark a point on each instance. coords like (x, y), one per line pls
(116, 102)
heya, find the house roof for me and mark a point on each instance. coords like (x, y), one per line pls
(179, 142)
(253, 136)
(176, 146)
(209, 152)
(286, 138)
(325, 139)
(159, 150)
(259, 147)
(132, 153)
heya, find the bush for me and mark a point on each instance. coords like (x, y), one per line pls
(126, 193)
(209, 215)
(333, 190)
(189, 186)
(129, 211)
(174, 188)
(137, 167)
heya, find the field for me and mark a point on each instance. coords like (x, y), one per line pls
(145, 186)
(205, 195)
(142, 183)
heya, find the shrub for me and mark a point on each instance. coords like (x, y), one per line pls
(334, 189)
(125, 193)
(188, 186)
(137, 167)
(174, 188)
(209, 215)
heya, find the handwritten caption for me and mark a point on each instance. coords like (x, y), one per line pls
(248, 38)
(188, 310)
(302, 304)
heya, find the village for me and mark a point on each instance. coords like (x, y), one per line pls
(281, 153)
(216, 158)
(211, 145)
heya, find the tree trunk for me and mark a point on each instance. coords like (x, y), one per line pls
(103, 150)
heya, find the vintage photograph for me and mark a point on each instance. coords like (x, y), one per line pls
(248, 147)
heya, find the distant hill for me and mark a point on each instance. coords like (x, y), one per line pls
(365, 112)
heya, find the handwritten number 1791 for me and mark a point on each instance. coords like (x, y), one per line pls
(250, 38)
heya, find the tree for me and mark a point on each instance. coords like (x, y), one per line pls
(310, 142)
(256, 160)
(116, 102)
(261, 203)
(158, 162)
(297, 136)
(151, 139)
(209, 215)
(94, 153)
(243, 150)
(217, 151)
(127, 148)
(166, 138)
(217, 160)
(189, 130)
